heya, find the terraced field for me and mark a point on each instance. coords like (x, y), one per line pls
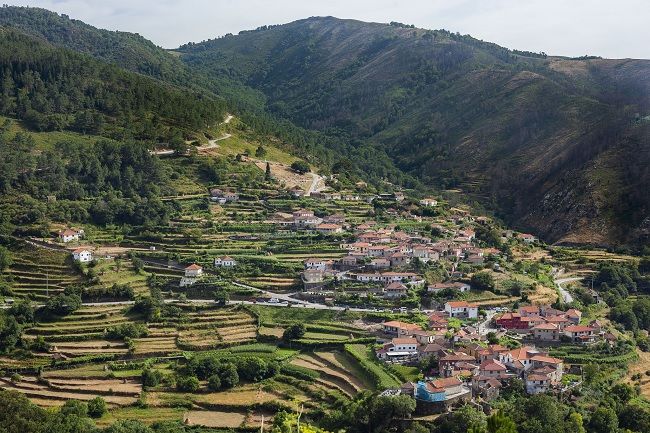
(332, 375)
(54, 392)
(38, 273)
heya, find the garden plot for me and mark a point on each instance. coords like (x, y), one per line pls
(38, 273)
(148, 415)
(155, 345)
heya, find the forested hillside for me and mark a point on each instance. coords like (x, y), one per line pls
(130, 51)
(555, 145)
(55, 89)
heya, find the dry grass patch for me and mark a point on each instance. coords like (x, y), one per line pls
(214, 419)
(244, 396)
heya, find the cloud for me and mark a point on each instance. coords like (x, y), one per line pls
(573, 28)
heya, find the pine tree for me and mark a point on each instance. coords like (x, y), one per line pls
(267, 175)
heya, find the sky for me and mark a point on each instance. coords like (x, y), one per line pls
(607, 28)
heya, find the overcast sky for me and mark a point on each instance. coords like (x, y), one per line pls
(608, 28)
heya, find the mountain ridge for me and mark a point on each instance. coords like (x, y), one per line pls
(554, 145)
(457, 111)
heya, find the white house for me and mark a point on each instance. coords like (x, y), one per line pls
(429, 202)
(82, 255)
(399, 349)
(223, 262)
(193, 271)
(306, 221)
(461, 309)
(192, 274)
(528, 238)
(222, 197)
(69, 235)
(400, 328)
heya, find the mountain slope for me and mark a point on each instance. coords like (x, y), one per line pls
(128, 50)
(54, 89)
(542, 139)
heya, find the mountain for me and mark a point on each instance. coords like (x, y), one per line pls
(555, 145)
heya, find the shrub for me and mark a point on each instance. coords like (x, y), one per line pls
(75, 407)
(294, 332)
(214, 382)
(96, 407)
(151, 378)
(127, 330)
(300, 167)
(187, 384)
(229, 376)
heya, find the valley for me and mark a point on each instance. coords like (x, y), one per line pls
(323, 226)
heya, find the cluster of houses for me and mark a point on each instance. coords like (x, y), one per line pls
(81, 254)
(304, 219)
(194, 272)
(348, 196)
(467, 367)
(380, 255)
(548, 325)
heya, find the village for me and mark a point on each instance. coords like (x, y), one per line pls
(396, 292)
(466, 350)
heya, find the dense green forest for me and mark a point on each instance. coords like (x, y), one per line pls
(128, 50)
(55, 89)
(105, 182)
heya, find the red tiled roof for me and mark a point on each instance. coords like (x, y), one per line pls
(404, 341)
(193, 267)
(403, 325)
(539, 377)
(446, 382)
(522, 352)
(492, 366)
(546, 359)
(458, 304)
(548, 326)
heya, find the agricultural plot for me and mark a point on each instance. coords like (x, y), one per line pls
(54, 392)
(38, 273)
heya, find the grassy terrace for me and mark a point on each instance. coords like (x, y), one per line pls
(315, 379)
(37, 273)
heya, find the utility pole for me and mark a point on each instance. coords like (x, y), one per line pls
(262, 425)
(47, 284)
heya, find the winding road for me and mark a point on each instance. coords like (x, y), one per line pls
(567, 298)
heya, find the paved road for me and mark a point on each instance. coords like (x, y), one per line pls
(315, 180)
(484, 326)
(566, 296)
